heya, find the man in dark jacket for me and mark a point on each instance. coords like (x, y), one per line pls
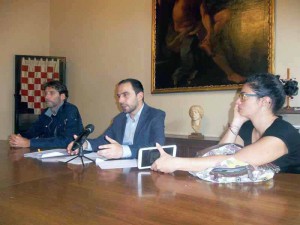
(137, 126)
(56, 125)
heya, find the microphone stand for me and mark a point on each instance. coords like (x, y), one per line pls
(81, 155)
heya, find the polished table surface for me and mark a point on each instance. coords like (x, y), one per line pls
(33, 192)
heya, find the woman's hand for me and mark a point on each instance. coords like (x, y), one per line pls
(238, 119)
(165, 163)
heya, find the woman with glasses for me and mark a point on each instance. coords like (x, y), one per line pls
(264, 136)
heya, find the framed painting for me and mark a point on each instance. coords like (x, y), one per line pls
(204, 45)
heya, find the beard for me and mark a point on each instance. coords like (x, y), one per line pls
(128, 108)
(50, 104)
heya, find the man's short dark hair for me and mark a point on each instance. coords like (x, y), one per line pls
(136, 84)
(57, 85)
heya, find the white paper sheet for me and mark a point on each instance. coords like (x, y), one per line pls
(114, 164)
(52, 154)
(61, 155)
(47, 153)
(76, 161)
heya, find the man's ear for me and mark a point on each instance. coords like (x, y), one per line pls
(63, 96)
(140, 96)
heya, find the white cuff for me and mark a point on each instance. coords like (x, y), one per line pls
(126, 151)
(89, 147)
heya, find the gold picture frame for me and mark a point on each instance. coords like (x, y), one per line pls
(202, 46)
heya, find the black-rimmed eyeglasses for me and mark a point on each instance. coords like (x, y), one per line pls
(244, 96)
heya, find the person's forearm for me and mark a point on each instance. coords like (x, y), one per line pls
(231, 133)
(229, 136)
(198, 164)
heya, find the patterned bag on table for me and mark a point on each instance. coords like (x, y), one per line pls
(233, 170)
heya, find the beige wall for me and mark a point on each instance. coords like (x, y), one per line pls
(105, 41)
(24, 29)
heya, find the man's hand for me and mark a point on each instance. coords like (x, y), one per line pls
(75, 152)
(18, 141)
(165, 163)
(69, 148)
(111, 151)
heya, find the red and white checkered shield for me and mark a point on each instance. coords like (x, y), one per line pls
(34, 73)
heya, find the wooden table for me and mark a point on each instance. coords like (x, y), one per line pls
(32, 192)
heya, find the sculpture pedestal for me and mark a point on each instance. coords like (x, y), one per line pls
(197, 136)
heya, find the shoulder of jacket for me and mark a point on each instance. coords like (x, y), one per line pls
(68, 105)
(155, 110)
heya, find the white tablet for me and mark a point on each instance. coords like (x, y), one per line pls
(147, 156)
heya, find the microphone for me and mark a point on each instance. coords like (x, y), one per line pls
(82, 137)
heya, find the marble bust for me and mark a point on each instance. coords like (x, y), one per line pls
(196, 113)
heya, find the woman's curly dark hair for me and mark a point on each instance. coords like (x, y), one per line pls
(266, 84)
(290, 86)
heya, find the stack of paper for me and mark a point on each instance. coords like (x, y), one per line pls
(47, 153)
(77, 160)
(61, 155)
(113, 164)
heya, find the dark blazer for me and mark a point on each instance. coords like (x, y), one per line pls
(150, 129)
(55, 131)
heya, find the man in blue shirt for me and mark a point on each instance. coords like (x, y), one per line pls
(56, 125)
(139, 125)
